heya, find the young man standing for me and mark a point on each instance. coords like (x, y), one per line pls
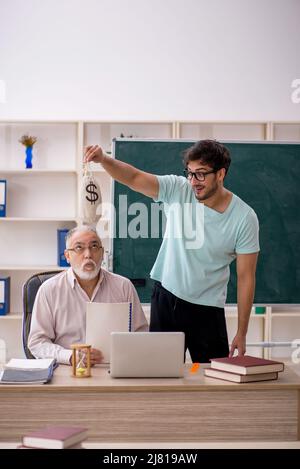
(191, 280)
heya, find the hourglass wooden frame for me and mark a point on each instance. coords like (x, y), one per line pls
(84, 371)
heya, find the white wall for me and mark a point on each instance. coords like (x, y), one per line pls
(149, 59)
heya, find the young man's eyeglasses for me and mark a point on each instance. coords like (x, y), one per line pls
(80, 248)
(199, 175)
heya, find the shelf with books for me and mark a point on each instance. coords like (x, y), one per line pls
(40, 200)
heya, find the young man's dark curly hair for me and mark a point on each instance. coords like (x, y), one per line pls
(210, 152)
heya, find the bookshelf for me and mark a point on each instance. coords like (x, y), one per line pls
(46, 198)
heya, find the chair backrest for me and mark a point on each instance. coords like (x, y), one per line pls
(30, 289)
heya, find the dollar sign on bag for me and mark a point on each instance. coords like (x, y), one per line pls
(90, 188)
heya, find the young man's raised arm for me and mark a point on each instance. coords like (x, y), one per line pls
(128, 175)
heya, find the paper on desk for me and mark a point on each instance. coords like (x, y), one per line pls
(30, 363)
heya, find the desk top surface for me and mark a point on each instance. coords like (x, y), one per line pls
(101, 381)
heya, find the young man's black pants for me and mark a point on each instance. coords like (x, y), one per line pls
(204, 326)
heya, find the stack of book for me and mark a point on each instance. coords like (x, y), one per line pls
(244, 369)
(55, 437)
(28, 371)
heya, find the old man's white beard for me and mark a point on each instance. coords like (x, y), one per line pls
(83, 275)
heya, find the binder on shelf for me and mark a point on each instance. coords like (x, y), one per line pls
(2, 198)
(61, 246)
(4, 295)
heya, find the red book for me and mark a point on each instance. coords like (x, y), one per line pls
(246, 365)
(55, 437)
(236, 378)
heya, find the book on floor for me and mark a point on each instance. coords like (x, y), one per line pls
(246, 365)
(76, 446)
(55, 437)
(237, 378)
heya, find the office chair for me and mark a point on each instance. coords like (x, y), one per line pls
(30, 289)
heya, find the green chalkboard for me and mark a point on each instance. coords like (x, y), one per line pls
(265, 175)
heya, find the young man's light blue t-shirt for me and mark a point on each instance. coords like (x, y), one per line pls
(200, 243)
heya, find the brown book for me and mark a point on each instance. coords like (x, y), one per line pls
(236, 378)
(55, 437)
(246, 365)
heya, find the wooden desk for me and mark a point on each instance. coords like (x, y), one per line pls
(191, 409)
(178, 445)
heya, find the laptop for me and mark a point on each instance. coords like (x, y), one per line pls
(147, 354)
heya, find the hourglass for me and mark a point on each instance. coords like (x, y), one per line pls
(81, 360)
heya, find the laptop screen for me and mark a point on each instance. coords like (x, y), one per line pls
(147, 354)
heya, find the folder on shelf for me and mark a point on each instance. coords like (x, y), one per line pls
(2, 198)
(4, 295)
(61, 246)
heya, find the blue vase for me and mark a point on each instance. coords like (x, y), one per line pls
(28, 160)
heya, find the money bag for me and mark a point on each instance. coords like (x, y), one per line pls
(90, 199)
